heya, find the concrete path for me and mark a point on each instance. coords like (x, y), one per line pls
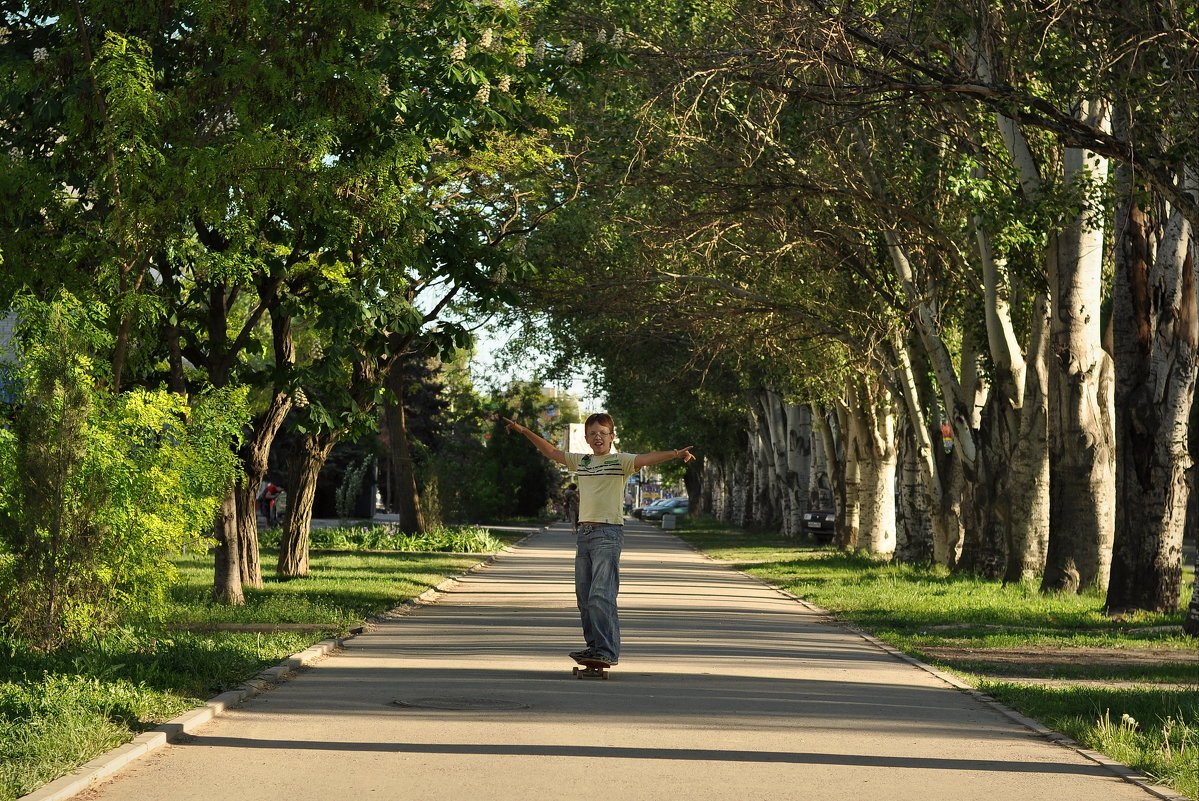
(726, 690)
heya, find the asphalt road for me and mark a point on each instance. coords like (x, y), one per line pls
(726, 689)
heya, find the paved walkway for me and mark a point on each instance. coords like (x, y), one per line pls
(726, 690)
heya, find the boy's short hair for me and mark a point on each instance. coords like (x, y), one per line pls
(600, 418)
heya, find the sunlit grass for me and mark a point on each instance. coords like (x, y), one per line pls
(1153, 730)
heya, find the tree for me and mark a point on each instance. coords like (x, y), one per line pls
(408, 384)
(213, 154)
(515, 480)
(1057, 136)
(100, 489)
(1156, 309)
(357, 331)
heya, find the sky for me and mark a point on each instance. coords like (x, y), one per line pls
(485, 367)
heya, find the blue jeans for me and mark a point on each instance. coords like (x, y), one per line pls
(597, 581)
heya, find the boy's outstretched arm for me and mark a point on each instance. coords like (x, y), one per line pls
(657, 457)
(539, 442)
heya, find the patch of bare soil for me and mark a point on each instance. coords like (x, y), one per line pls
(1061, 666)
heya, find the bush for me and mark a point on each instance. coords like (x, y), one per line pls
(465, 539)
(99, 489)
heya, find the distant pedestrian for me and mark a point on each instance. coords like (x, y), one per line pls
(570, 506)
(270, 497)
(601, 475)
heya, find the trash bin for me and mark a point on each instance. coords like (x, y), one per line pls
(668, 522)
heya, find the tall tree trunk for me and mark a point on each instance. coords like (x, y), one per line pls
(245, 493)
(872, 453)
(226, 585)
(799, 463)
(742, 489)
(1028, 530)
(833, 434)
(255, 455)
(1156, 346)
(982, 546)
(308, 456)
(694, 483)
(949, 487)
(772, 434)
(913, 520)
(820, 479)
(920, 297)
(1001, 522)
(943, 507)
(1079, 423)
(788, 444)
(764, 508)
(711, 501)
(405, 490)
(1081, 435)
(985, 550)
(722, 507)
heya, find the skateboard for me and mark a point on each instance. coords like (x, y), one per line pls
(590, 669)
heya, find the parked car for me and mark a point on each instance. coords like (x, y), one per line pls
(821, 523)
(640, 512)
(670, 506)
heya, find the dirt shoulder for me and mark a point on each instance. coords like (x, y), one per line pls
(1064, 666)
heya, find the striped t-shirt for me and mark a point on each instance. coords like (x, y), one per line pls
(601, 481)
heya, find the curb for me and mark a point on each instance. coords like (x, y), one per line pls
(1118, 768)
(143, 744)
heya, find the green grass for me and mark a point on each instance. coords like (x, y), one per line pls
(386, 537)
(60, 710)
(343, 588)
(928, 612)
(1153, 730)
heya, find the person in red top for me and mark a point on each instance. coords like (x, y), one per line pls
(269, 496)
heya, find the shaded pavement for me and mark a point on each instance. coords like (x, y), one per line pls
(726, 690)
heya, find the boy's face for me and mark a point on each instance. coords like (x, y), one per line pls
(599, 437)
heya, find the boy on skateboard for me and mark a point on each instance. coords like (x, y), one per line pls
(601, 477)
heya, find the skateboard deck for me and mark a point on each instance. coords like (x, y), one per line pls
(590, 669)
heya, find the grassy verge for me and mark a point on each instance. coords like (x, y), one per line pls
(376, 537)
(60, 710)
(1126, 688)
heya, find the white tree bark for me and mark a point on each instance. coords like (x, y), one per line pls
(836, 444)
(928, 328)
(799, 464)
(871, 458)
(1156, 348)
(1028, 529)
(945, 511)
(741, 487)
(773, 422)
(763, 505)
(820, 476)
(913, 518)
(1081, 433)
(1027, 490)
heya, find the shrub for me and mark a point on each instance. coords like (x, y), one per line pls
(459, 539)
(98, 489)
